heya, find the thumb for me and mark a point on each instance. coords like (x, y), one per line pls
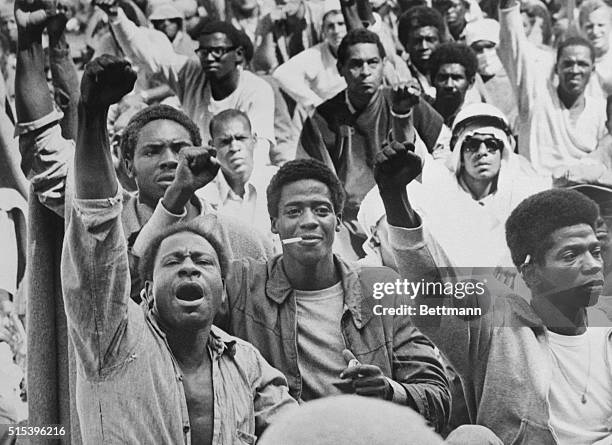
(348, 356)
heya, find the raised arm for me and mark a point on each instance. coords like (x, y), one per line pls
(146, 47)
(420, 259)
(63, 75)
(105, 81)
(95, 269)
(46, 155)
(518, 56)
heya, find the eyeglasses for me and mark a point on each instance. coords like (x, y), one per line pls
(216, 51)
(472, 144)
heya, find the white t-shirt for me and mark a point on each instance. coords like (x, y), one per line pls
(319, 340)
(579, 362)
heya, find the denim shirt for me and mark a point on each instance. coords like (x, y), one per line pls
(129, 386)
(263, 310)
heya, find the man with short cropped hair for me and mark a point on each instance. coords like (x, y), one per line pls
(163, 361)
(238, 191)
(558, 123)
(313, 315)
(347, 130)
(209, 82)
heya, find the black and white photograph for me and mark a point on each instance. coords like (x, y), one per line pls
(306, 222)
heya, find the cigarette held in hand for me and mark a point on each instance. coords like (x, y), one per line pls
(292, 240)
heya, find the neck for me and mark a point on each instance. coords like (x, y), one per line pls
(223, 87)
(359, 101)
(448, 108)
(189, 347)
(320, 275)
(236, 183)
(560, 319)
(456, 28)
(567, 99)
(333, 50)
(478, 188)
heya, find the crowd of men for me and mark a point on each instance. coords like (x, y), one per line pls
(306, 222)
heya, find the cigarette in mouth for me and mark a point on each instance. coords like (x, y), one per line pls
(292, 240)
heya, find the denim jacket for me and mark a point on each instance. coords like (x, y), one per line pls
(263, 311)
(129, 385)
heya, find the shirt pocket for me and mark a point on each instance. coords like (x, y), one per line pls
(246, 438)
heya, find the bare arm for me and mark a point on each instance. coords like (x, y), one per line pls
(64, 75)
(105, 81)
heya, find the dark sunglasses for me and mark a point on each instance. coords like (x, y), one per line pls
(216, 51)
(472, 144)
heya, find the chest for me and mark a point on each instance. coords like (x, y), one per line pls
(199, 395)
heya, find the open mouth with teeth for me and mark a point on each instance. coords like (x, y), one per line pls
(189, 291)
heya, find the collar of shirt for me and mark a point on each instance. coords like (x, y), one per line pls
(226, 193)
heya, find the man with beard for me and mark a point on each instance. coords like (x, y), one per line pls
(453, 70)
(161, 373)
(558, 123)
(549, 347)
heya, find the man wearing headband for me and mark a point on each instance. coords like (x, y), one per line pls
(476, 188)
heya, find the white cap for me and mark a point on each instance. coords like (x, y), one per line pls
(484, 29)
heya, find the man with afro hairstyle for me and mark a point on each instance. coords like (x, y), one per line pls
(452, 68)
(310, 313)
(537, 371)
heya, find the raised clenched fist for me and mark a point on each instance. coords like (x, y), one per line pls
(396, 165)
(105, 81)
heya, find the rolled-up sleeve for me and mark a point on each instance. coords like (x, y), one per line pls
(46, 158)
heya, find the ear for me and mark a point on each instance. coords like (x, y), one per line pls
(473, 80)
(129, 167)
(147, 293)
(338, 221)
(531, 275)
(273, 222)
(239, 54)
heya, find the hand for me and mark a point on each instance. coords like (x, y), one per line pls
(31, 15)
(405, 96)
(105, 81)
(395, 166)
(56, 24)
(197, 167)
(368, 380)
(109, 6)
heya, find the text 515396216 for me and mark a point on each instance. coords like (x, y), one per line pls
(51, 430)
